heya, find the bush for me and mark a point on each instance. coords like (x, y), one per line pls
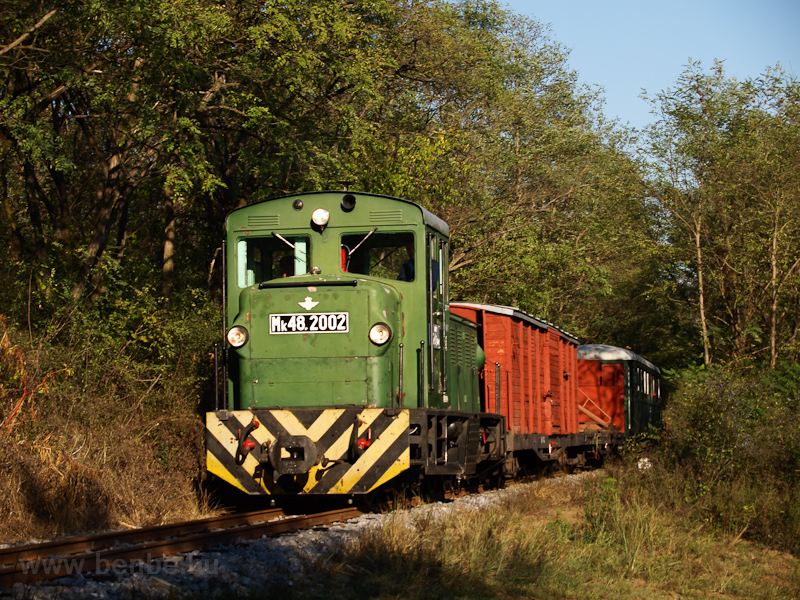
(100, 413)
(730, 455)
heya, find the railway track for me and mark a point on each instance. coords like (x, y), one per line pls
(69, 557)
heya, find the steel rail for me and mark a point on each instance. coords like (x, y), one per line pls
(100, 541)
(64, 558)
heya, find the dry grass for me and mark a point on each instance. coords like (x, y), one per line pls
(553, 540)
(50, 488)
(89, 440)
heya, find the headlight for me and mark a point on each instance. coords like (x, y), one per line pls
(320, 217)
(237, 336)
(380, 334)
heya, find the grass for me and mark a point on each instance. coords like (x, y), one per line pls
(597, 539)
(93, 436)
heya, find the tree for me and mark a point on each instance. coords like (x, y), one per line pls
(724, 165)
(114, 119)
(86, 113)
(125, 149)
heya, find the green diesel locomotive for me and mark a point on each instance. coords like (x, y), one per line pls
(345, 368)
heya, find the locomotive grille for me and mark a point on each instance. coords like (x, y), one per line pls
(263, 220)
(386, 216)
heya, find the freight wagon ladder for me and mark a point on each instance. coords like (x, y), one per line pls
(591, 415)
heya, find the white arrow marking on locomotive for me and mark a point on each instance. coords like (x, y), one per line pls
(308, 304)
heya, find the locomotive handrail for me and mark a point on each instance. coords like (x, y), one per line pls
(400, 383)
(298, 284)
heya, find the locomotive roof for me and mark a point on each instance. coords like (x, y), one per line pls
(604, 352)
(430, 219)
(514, 312)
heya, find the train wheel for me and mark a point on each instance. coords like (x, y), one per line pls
(511, 466)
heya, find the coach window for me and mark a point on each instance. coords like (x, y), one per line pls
(263, 258)
(385, 255)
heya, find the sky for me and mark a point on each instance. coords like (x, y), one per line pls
(626, 46)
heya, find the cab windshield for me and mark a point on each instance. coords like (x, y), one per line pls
(263, 258)
(385, 255)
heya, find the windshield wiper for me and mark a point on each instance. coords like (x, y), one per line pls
(300, 253)
(357, 246)
(283, 239)
(350, 253)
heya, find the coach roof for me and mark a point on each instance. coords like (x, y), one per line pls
(612, 353)
(517, 314)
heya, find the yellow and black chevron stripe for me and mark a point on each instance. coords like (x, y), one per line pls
(344, 467)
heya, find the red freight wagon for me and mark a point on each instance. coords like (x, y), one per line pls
(530, 375)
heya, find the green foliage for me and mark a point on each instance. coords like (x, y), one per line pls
(602, 498)
(723, 169)
(464, 107)
(739, 419)
(730, 456)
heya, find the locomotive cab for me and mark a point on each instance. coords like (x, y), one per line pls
(329, 292)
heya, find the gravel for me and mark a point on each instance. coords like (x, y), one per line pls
(235, 569)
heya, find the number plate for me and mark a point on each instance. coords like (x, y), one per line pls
(310, 323)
